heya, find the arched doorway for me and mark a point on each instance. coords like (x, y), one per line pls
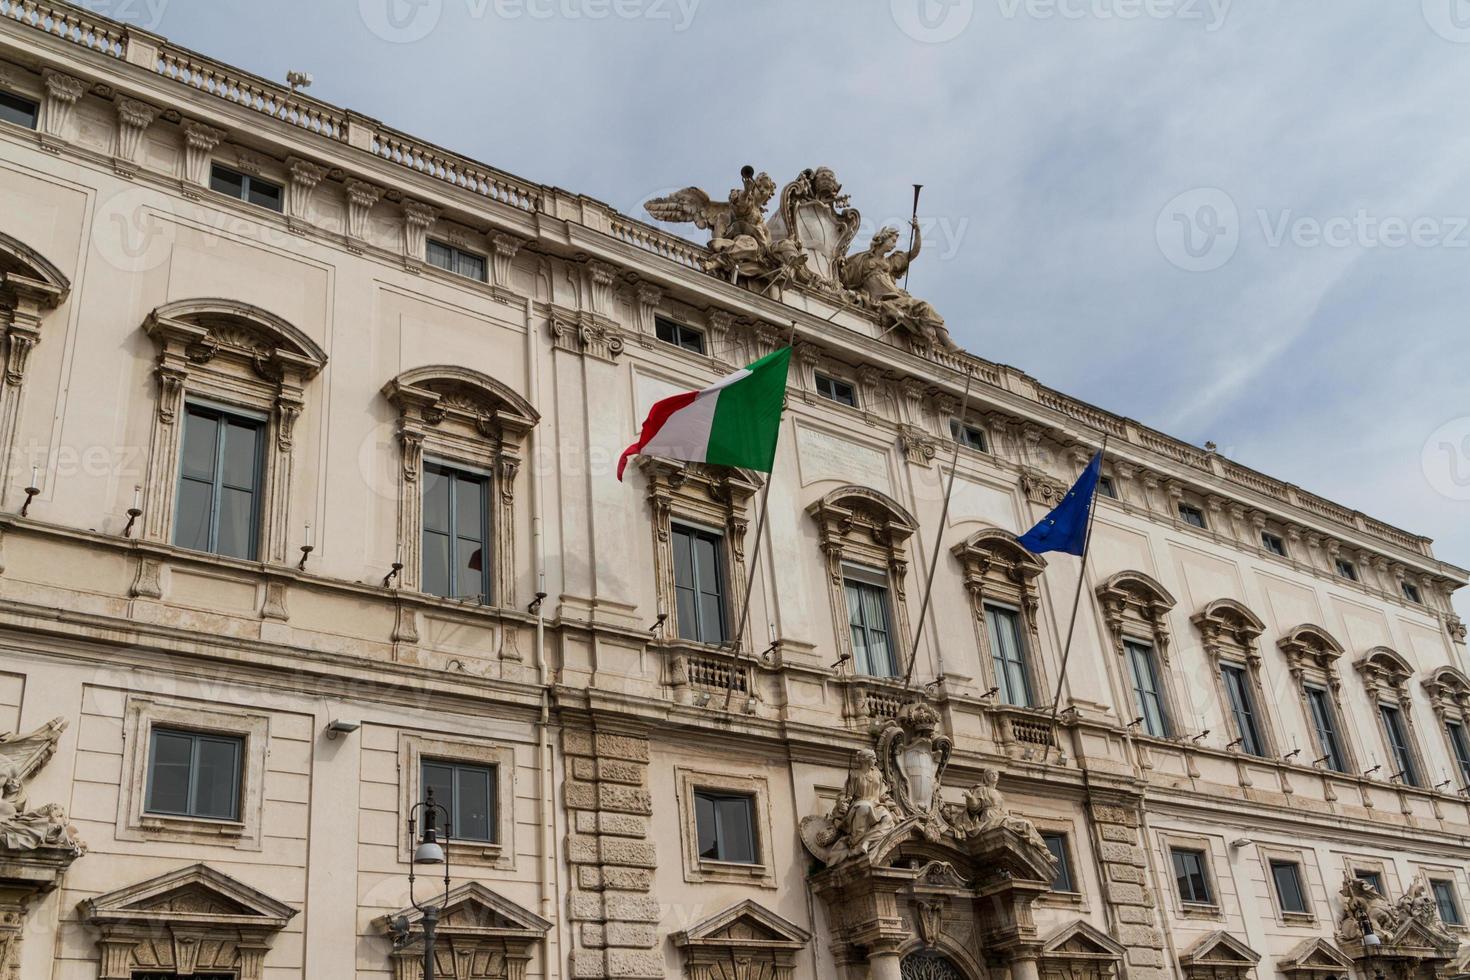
(930, 966)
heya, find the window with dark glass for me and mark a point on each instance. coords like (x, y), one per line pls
(838, 391)
(467, 792)
(1147, 694)
(1372, 878)
(1107, 487)
(699, 586)
(1192, 515)
(1447, 902)
(1347, 570)
(1273, 543)
(192, 774)
(1411, 592)
(969, 436)
(1057, 844)
(1461, 745)
(18, 110)
(673, 332)
(245, 187)
(726, 827)
(1324, 721)
(1008, 653)
(220, 480)
(1287, 876)
(867, 615)
(455, 260)
(1242, 708)
(1398, 742)
(1191, 876)
(456, 533)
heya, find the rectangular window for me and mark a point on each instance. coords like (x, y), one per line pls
(1057, 844)
(1192, 515)
(244, 187)
(1008, 653)
(1191, 877)
(969, 436)
(838, 391)
(1398, 742)
(1461, 745)
(194, 775)
(18, 110)
(867, 615)
(1372, 878)
(1324, 721)
(699, 584)
(1448, 903)
(456, 533)
(1107, 487)
(455, 260)
(1147, 698)
(1273, 543)
(1242, 708)
(468, 794)
(671, 332)
(1411, 592)
(1347, 570)
(220, 480)
(726, 827)
(1287, 876)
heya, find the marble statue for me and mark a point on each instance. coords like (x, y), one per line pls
(23, 828)
(985, 809)
(874, 276)
(740, 242)
(862, 814)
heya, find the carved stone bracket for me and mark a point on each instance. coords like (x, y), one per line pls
(62, 93)
(133, 120)
(305, 176)
(582, 333)
(362, 197)
(199, 142)
(503, 249)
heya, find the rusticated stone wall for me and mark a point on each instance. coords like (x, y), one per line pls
(1126, 887)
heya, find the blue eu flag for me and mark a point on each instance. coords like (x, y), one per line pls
(1065, 528)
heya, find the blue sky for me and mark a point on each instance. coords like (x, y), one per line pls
(1246, 222)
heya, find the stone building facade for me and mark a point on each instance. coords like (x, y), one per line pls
(307, 506)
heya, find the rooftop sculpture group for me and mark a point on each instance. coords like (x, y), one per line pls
(806, 243)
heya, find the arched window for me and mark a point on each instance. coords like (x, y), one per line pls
(1136, 608)
(231, 385)
(863, 535)
(1311, 656)
(1000, 576)
(1386, 676)
(461, 436)
(1229, 632)
(30, 287)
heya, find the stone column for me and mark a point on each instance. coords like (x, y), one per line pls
(884, 963)
(1024, 967)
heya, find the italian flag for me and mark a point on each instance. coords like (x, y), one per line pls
(733, 422)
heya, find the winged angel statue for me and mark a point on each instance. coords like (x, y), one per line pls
(22, 828)
(739, 238)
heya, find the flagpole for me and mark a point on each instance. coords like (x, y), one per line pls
(913, 225)
(954, 465)
(1077, 597)
(755, 553)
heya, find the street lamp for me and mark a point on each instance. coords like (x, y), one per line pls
(429, 850)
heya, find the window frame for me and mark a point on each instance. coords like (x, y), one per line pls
(1302, 887)
(1398, 735)
(1451, 897)
(1022, 661)
(1063, 853)
(695, 532)
(493, 804)
(246, 180)
(863, 579)
(456, 255)
(1202, 871)
(962, 433)
(1193, 515)
(1333, 751)
(456, 473)
(716, 797)
(196, 740)
(682, 334)
(1411, 592)
(1108, 487)
(1459, 747)
(1275, 544)
(697, 869)
(1132, 646)
(223, 415)
(35, 110)
(1346, 569)
(834, 386)
(499, 757)
(1241, 700)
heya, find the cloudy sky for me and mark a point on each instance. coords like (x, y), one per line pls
(1246, 222)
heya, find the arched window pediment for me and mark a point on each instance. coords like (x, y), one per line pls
(21, 263)
(852, 508)
(30, 286)
(1309, 645)
(1137, 589)
(1448, 688)
(439, 392)
(996, 547)
(1382, 666)
(1227, 621)
(204, 329)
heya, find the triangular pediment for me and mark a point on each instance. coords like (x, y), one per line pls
(474, 910)
(1219, 951)
(197, 893)
(1414, 934)
(1313, 955)
(1081, 939)
(746, 924)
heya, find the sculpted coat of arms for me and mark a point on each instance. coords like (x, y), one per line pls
(806, 244)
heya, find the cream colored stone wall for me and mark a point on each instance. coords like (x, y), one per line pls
(602, 727)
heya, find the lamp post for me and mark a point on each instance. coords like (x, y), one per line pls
(428, 851)
(1371, 943)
